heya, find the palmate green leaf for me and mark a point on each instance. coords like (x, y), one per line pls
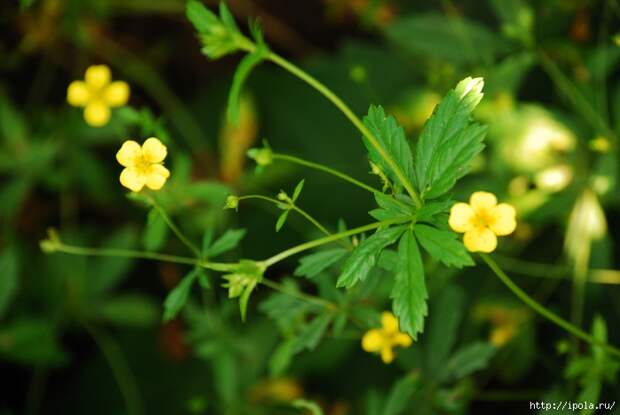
(311, 333)
(177, 298)
(365, 256)
(443, 246)
(449, 140)
(217, 34)
(392, 139)
(391, 208)
(409, 295)
(311, 265)
(281, 357)
(225, 243)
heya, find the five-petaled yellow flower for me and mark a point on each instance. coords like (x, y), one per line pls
(143, 164)
(482, 220)
(383, 340)
(97, 94)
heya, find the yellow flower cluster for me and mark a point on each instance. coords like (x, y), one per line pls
(386, 338)
(143, 164)
(482, 220)
(97, 94)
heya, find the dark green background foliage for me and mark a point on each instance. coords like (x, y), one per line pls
(109, 335)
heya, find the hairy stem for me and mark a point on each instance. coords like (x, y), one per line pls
(322, 241)
(545, 312)
(326, 169)
(344, 108)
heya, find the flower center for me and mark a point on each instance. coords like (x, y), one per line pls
(482, 219)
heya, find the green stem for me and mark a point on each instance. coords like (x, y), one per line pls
(130, 253)
(298, 294)
(120, 368)
(331, 96)
(321, 241)
(175, 229)
(323, 168)
(543, 311)
(293, 206)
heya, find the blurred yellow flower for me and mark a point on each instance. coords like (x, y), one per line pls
(482, 220)
(383, 340)
(97, 94)
(143, 164)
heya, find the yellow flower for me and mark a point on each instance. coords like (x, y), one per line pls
(97, 95)
(383, 340)
(143, 164)
(482, 220)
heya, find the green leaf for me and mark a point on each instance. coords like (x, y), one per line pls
(454, 39)
(314, 408)
(226, 242)
(433, 208)
(244, 298)
(207, 238)
(177, 298)
(443, 246)
(409, 293)
(449, 140)
(201, 17)
(311, 333)
(156, 231)
(281, 358)
(365, 256)
(218, 35)
(441, 334)
(390, 208)
(311, 265)
(400, 395)
(131, 310)
(298, 189)
(246, 65)
(8, 278)
(467, 360)
(391, 138)
(31, 341)
(281, 220)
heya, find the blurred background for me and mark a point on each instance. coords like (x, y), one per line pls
(84, 335)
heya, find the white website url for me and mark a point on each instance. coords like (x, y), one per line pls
(571, 406)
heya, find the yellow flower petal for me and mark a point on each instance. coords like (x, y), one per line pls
(482, 201)
(97, 76)
(372, 341)
(480, 239)
(132, 178)
(461, 216)
(402, 339)
(153, 151)
(389, 322)
(97, 114)
(116, 94)
(504, 222)
(130, 154)
(156, 176)
(387, 355)
(78, 94)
